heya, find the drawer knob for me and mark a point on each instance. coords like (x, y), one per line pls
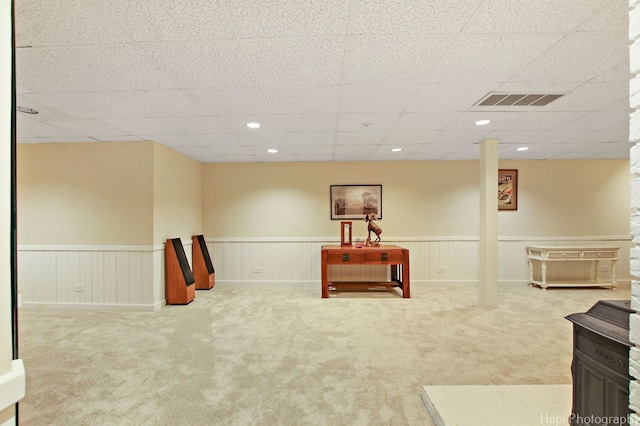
(345, 257)
(384, 257)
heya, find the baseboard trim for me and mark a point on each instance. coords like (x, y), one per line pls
(93, 306)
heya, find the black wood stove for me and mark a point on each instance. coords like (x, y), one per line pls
(600, 366)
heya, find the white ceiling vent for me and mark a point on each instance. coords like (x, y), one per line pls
(516, 100)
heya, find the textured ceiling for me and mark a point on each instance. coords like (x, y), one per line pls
(329, 80)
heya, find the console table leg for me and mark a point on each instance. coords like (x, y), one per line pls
(325, 284)
(543, 268)
(406, 285)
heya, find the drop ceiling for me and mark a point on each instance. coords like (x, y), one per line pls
(328, 80)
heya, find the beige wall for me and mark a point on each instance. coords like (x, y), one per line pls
(141, 193)
(574, 198)
(420, 199)
(85, 193)
(177, 195)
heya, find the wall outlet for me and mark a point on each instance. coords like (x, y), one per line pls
(78, 287)
(442, 269)
(257, 270)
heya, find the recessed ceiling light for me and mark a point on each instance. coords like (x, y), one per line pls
(253, 125)
(396, 149)
(523, 148)
(482, 122)
(272, 151)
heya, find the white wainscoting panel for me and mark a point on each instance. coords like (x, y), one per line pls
(111, 277)
(126, 277)
(438, 259)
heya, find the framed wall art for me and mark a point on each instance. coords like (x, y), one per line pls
(507, 189)
(355, 201)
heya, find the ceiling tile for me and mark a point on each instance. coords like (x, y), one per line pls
(458, 137)
(408, 138)
(309, 122)
(590, 96)
(260, 138)
(307, 99)
(597, 120)
(372, 122)
(366, 73)
(287, 18)
(542, 120)
(201, 124)
(359, 138)
(425, 121)
(393, 59)
(318, 138)
(314, 157)
(238, 123)
(577, 57)
(90, 127)
(297, 61)
(203, 63)
(232, 100)
(325, 150)
(40, 72)
(114, 66)
(524, 16)
(376, 99)
(34, 128)
(490, 58)
(411, 16)
(448, 97)
(216, 139)
(96, 105)
(499, 120)
(164, 103)
(149, 20)
(144, 126)
(47, 111)
(69, 23)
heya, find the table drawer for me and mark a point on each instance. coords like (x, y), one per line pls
(390, 257)
(599, 254)
(564, 255)
(345, 257)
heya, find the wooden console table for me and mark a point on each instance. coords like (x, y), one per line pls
(541, 255)
(396, 257)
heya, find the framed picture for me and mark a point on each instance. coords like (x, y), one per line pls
(355, 201)
(507, 189)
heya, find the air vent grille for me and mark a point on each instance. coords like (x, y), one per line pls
(517, 99)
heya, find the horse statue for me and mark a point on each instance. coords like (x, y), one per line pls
(372, 226)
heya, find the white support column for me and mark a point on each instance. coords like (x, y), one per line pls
(488, 257)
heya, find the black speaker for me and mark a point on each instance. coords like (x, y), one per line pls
(205, 254)
(182, 259)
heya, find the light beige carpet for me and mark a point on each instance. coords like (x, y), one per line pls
(281, 355)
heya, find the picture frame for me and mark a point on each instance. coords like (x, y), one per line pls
(355, 201)
(507, 189)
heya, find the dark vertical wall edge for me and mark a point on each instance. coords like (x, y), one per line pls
(14, 205)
